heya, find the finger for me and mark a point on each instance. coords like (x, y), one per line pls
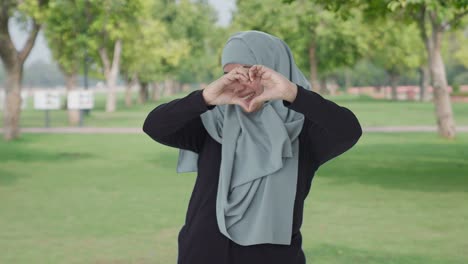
(242, 77)
(261, 72)
(253, 72)
(237, 70)
(255, 102)
(236, 77)
(252, 105)
(230, 77)
(242, 70)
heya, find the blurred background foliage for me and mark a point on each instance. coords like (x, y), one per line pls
(181, 40)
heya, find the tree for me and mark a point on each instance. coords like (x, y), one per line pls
(440, 16)
(161, 49)
(330, 42)
(65, 31)
(434, 18)
(321, 41)
(460, 39)
(31, 13)
(195, 21)
(109, 24)
(454, 52)
(395, 47)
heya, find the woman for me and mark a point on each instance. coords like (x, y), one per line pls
(255, 137)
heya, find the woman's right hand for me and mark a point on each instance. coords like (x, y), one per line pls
(231, 88)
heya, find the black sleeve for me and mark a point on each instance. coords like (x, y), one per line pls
(177, 123)
(331, 129)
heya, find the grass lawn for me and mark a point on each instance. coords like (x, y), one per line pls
(393, 198)
(370, 112)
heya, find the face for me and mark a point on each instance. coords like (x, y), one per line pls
(230, 66)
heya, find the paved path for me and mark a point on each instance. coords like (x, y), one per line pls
(137, 130)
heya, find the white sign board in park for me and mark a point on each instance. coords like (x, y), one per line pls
(24, 98)
(80, 99)
(46, 100)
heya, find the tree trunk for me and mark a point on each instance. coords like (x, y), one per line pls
(111, 71)
(186, 87)
(156, 92)
(144, 93)
(334, 87)
(424, 81)
(177, 87)
(70, 84)
(128, 94)
(314, 80)
(128, 90)
(168, 87)
(13, 60)
(441, 97)
(443, 105)
(323, 86)
(111, 100)
(394, 85)
(12, 107)
(348, 81)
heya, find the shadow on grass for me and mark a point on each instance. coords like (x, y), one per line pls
(8, 177)
(334, 254)
(20, 153)
(26, 154)
(420, 166)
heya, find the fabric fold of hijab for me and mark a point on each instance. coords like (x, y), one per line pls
(259, 157)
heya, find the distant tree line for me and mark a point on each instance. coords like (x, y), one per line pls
(363, 73)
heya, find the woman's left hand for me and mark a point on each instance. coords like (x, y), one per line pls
(272, 85)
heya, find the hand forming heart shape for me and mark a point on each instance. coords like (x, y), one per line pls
(249, 87)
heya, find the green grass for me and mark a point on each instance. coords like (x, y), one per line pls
(370, 112)
(393, 198)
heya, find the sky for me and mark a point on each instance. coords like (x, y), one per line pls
(42, 52)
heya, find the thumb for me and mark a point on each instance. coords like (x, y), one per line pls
(257, 100)
(242, 103)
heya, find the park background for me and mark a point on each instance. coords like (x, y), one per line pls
(101, 191)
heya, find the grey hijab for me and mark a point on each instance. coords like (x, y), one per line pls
(258, 174)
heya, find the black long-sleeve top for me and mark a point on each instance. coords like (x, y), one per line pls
(328, 131)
